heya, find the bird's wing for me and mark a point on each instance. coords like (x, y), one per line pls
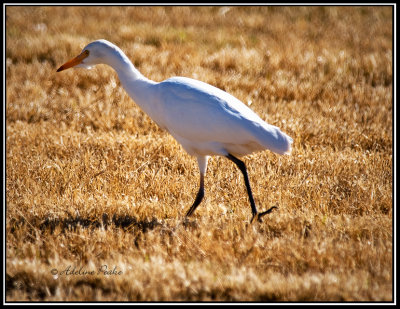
(200, 112)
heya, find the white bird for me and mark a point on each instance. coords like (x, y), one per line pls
(205, 120)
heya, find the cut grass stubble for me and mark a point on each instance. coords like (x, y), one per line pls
(96, 193)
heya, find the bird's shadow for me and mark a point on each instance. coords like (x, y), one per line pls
(125, 222)
(72, 223)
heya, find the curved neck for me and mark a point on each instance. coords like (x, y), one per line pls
(138, 87)
(123, 66)
(131, 79)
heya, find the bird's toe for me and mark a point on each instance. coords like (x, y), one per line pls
(259, 215)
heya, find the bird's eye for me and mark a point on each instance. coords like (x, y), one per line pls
(86, 53)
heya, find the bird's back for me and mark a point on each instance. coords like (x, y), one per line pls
(207, 120)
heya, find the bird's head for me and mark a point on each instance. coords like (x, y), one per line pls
(94, 53)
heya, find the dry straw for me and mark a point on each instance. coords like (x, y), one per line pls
(92, 181)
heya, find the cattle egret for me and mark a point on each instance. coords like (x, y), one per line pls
(205, 120)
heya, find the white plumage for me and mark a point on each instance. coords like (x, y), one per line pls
(205, 120)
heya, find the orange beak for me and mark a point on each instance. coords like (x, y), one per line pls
(73, 62)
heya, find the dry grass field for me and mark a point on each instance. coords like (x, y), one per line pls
(96, 193)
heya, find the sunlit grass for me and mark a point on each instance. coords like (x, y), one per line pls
(92, 181)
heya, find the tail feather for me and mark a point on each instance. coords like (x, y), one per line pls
(275, 140)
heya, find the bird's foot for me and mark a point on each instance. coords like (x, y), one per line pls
(259, 215)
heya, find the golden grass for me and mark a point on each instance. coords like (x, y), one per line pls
(92, 181)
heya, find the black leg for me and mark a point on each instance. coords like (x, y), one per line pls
(240, 164)
(199, 197)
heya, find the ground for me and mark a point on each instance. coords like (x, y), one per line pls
(96, 193)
